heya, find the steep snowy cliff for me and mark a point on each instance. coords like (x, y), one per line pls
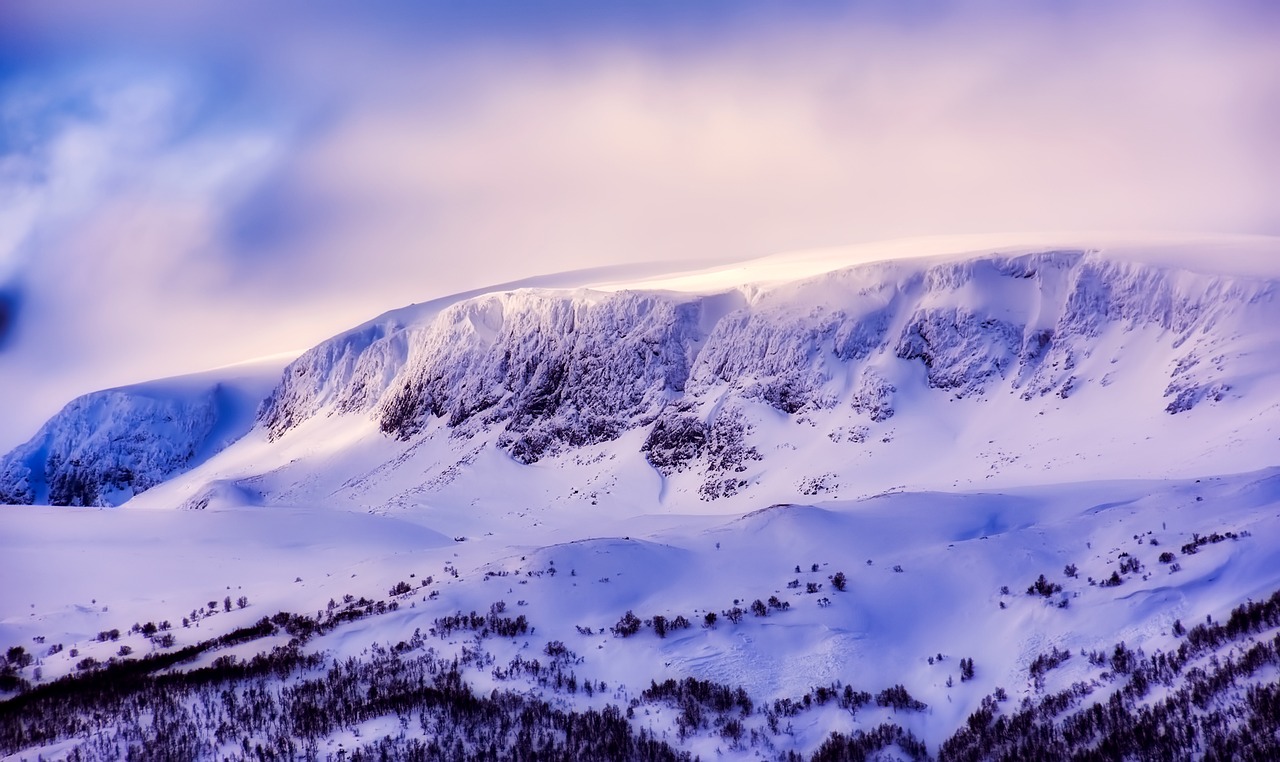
(962, 366)
(105, 447)
(542, 373)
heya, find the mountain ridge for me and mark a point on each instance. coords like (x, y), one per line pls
(541, 373)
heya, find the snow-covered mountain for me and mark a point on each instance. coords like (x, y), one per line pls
(969, 499)
(557, 370)
(871, 359)
(994, 367)
(105, 447)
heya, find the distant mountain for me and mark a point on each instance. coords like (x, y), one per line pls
(105, 447)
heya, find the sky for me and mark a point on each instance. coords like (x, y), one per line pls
(187, 185)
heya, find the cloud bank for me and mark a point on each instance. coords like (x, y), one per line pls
(185, 188)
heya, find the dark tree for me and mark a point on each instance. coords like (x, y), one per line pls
(18, 657)
(1044, 587)
(628, 625)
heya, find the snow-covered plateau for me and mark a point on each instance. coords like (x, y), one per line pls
(978, 498)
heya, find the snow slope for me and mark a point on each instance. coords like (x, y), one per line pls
(925, 575)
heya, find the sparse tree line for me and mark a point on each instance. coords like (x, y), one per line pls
(160, 635)
(494, 623)
(1045, 662)
(282, 706)
(300, 627)
(1214, 706)
(284, 703)
(630, 624)
(864, 745)
(1129, 564)
(1198, 541)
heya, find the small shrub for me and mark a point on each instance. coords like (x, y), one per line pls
(627, 626)
(1044, 587)
(898, 698)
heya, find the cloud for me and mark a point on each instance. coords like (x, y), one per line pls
(798, 136)
(252, 177)
(112, 199)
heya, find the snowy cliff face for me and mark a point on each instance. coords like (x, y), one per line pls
(346, 374)
(105, 447)
(541, 373)
(553, 370)
(866, 357)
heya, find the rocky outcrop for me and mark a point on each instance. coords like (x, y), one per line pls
(554, 371)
